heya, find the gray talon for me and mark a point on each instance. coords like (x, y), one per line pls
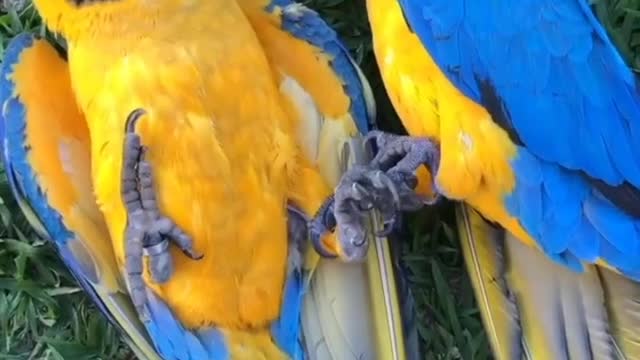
(354, 198)
(147, 233)
(400, 156)
(301, 227)
(386, 184)
(408, 153)
(359, 192)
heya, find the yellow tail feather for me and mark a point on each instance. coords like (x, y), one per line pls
(533, 308)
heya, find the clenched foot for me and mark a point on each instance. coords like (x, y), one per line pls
(148, 233)
(386, 184)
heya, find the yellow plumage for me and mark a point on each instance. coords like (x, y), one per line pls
(62, 161)
(221, 138)
(475, 161)
(532, 308)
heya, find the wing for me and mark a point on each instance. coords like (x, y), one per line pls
(551, 78)
(533, 308)
(562, 77)
(321, 82)
(322, 66)
(326, 87)
(46, 159)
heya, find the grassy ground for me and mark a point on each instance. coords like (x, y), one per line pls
(44, 315)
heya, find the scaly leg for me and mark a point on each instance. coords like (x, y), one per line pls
(297, 230)
(404, 154)
(386, 184)
(360, 190)
(147, 233)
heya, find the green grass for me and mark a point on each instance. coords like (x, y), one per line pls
(43, 314)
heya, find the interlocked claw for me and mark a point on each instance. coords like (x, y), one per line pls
(301, 227)
(404, 154)
(399, 157)
(148, 233)
(323, 220)
(386, 184)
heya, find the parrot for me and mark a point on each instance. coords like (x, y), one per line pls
(208, 125)
(525, 115)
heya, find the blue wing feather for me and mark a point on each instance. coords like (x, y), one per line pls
(173, 341)
(584, 241)
(286, 330)
(584, 69)
(570, 103)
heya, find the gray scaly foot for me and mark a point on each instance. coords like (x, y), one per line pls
(386, 184)
(148, 233)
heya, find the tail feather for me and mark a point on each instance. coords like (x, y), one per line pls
(483, 248)
(534, 308)
(623, 296)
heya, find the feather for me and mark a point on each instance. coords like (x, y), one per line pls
(563, 125)
(533, 308)
(585, 76)
(323, 133)
(483, 249)
(178, 327)
(89, 258)
(576, 118)
(56, 203)
(305, 24)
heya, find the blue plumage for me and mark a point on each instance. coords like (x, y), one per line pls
(170, 339)
(16, 151)
(307, 25)
(286, 330)
(23, 181)
(570, 103)
(173, 341)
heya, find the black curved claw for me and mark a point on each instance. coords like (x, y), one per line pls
(322, 222)
(390, 222)
(386, 187)
(132, 120)
(147, 232)
(362, 189)
(389, 226)
(302, 227)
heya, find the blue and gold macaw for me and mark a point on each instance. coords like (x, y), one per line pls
(525, 111)
(213, 125)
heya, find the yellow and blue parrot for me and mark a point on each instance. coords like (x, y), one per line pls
(525, 111)
(211, 125)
